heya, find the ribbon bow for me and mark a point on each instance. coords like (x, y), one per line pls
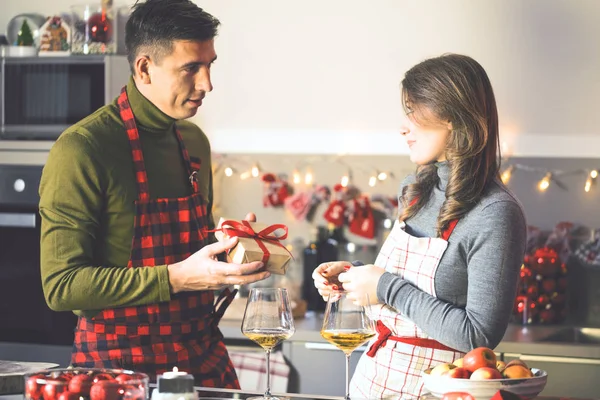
(243, 229)
(383, 333)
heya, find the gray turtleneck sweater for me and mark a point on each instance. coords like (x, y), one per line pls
(476, 279)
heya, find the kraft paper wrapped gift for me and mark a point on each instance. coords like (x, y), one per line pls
(257, 242)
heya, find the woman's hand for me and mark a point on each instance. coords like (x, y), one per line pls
(361, 280)
(326, 279)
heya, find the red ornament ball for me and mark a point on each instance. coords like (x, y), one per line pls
(546, 261)
(100, 28)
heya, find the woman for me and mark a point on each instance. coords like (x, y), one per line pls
(445, 279)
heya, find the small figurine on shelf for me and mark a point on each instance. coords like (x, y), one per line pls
(55, 37)
(93, 28)
(25, 37)
(24, 43)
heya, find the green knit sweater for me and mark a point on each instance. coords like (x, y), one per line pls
(87, 196)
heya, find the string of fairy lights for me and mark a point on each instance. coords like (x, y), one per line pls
(303, 173)
(551, 177)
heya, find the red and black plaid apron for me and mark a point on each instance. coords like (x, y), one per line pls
(401, 350)
(182, 332)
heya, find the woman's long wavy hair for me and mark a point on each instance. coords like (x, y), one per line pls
(453, 88)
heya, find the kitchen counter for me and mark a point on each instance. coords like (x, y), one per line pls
(517, 339)
(209, 393)
(527, 339)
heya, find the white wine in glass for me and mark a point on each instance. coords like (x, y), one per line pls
(346, 325)
(267, 321)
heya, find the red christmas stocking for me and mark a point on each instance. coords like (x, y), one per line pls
(363, 222)
(335, 212)
(275, 191)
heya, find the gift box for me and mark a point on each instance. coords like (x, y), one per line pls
(256, 242)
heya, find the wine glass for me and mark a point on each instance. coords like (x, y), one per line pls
(347, 325)
(267, 321)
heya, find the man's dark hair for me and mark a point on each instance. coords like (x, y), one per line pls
(154, 25)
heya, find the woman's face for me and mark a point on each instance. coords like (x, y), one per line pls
(427, 138)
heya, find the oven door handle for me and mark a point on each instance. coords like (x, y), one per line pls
(17, 220)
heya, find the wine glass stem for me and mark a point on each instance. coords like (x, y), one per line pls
(268, 391)
(347, 397)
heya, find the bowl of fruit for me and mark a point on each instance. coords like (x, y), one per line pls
(481, 375)
(86, 383)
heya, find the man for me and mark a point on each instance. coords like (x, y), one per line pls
(126, 198)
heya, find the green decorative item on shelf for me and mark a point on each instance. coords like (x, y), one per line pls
(25, 37)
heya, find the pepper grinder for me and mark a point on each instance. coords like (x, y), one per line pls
(175, 385)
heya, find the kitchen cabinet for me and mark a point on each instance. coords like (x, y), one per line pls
(318, 368)
(567, 376)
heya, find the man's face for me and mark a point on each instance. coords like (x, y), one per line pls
(180, 80)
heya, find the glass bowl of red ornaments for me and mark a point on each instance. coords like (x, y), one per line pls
(86, 383)
(542, 290)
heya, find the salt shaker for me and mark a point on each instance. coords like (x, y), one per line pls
(175, 385)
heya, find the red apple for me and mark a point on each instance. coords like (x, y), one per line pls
(516, 371)
(441, 368)
(53, 388)
(458, 372)
(457, 396)
(81, 383)
(516, 361)
(484, 373)
(478, 358)
(506, 395)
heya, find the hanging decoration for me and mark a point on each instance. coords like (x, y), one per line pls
(302, 205)
(275, 190)
(551, 177)
(588, 253)
(387, 204)
(336, 211)
(361, 220)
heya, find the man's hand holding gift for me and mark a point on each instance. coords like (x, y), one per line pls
(203, 271)
(256, 243)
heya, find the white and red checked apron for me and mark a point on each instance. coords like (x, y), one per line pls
(401, 351)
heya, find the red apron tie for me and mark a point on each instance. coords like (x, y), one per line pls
(384, 333)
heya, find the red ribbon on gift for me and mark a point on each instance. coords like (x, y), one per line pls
(243, 229)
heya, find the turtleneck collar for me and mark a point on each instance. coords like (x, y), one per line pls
(147, 115)
(443, 171)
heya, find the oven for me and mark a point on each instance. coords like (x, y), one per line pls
(24, 314)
